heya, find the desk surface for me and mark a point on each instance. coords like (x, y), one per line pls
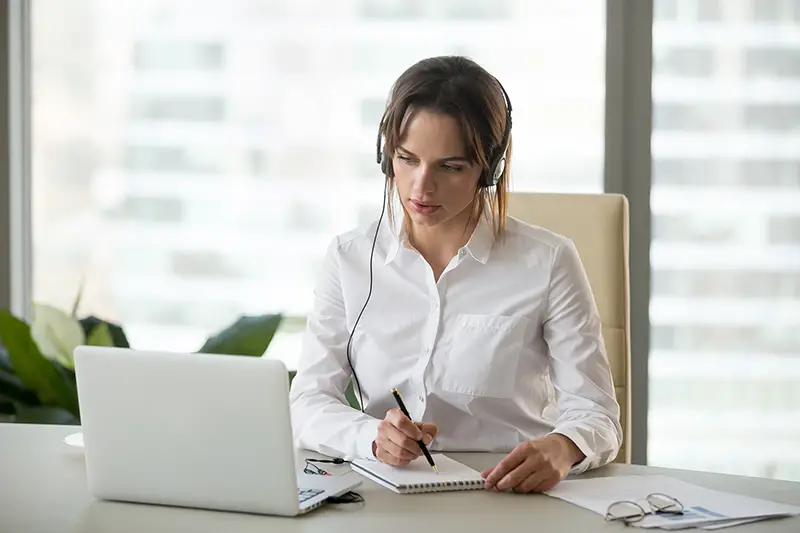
(43, 490)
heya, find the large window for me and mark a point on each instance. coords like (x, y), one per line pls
(191, 160)
(725, 308)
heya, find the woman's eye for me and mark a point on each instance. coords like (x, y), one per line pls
(405, 159)
(449, 168)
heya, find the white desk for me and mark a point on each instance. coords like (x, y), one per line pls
(43, 490)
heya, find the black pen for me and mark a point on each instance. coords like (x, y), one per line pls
(421, 444)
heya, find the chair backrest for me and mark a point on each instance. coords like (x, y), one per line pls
(598, 225)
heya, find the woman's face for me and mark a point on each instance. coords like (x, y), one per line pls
(434, 178)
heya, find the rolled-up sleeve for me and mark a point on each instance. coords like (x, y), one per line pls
(322, 419)
(581, 375)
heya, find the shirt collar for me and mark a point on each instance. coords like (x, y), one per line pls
(479, 245)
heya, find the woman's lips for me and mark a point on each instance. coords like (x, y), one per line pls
(422, 208)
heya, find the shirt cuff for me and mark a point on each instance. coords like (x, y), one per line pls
(574, 434)
(366, 435)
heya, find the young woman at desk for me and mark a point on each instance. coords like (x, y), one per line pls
(486, 325)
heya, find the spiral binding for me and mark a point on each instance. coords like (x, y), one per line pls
(442, 486)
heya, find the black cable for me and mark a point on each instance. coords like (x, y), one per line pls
(347, 497)
(369, 294)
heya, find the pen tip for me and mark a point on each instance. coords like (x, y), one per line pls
(436, 470)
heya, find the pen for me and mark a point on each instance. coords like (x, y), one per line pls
(421, 444)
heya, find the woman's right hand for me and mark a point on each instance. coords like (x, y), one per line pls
(396, 443)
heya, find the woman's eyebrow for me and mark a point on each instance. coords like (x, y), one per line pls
(450, 159)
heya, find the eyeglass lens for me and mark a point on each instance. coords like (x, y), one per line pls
(625, 511)
(661, 503)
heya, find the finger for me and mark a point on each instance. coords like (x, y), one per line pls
(533, 481)
(400, 439)
(548, 483)
(395, 450)
(506, 465)
(486, 472)
(429, 430)
(404, 424)
(389, 459)
(514, 478)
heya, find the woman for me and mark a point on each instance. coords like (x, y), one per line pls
(485, 324)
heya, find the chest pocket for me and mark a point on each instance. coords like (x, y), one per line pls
(484, 354)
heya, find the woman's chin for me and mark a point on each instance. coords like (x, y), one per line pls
(424, 220)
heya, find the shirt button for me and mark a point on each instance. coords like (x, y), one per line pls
(461, 252)
(420, 398)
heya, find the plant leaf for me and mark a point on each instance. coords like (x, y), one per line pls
(249, 335)
(90, 322)
(100, 336)
(12, 388)
(33, 369)
(44, 415)
(56, 333)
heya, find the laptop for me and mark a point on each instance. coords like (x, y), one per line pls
(194, 430)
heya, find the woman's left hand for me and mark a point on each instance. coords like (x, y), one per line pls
(534, 466)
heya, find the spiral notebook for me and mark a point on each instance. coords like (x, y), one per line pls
(418, 476)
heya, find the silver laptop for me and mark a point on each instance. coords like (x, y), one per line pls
(194, 430)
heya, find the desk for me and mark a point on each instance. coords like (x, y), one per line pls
(43, 490)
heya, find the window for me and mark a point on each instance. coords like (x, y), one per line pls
(772, 117)
(785, 230)
(191, 55)
(735, 284)
(694, 62)
(178, 108)
(150, 209)
(764, 62)
(371, 113)
(725, 255)
(197, 160)
(235, 148)
(391, 8)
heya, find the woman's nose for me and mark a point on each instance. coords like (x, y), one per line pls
(423, 179)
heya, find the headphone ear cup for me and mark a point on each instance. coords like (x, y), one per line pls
(386, 165)
(498, 171)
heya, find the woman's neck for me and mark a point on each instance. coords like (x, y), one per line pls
(438, 244)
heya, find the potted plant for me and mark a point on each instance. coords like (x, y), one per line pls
(37, 376)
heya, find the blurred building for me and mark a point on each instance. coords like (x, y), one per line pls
(725, 308)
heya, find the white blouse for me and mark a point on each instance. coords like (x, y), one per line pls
(504, 348)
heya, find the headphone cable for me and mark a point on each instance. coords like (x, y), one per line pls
(369, 295)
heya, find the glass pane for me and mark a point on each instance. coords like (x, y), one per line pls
(725, 307)
(192, 159)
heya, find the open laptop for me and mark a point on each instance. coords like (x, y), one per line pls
(194, 430)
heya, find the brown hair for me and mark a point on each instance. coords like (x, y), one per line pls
(458, 87)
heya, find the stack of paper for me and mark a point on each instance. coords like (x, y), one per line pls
(703, 508)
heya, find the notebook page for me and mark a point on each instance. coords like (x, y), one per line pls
(420, 472)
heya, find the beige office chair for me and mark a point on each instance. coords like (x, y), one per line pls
(598, 225)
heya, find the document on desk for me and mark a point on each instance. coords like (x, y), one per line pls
(702, 507)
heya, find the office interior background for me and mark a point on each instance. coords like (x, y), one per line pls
(189, 162)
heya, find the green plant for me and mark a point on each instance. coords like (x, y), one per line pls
(37, 376)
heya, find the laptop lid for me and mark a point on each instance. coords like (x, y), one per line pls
(186, 429)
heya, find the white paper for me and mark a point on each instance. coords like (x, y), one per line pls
(701, 506)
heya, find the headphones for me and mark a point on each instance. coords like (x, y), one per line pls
(497, 161)
(489, 178)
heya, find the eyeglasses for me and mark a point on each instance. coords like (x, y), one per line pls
(313, 469)
(629, 512)
(347, 497)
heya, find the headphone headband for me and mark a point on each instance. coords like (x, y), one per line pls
(496, 163)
